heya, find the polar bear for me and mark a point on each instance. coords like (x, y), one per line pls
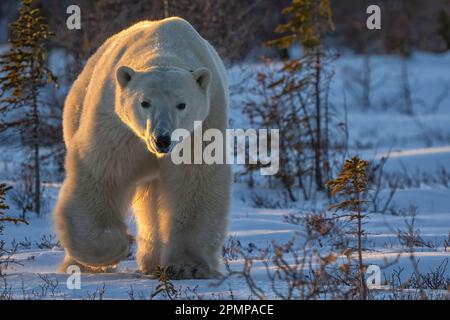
(139, 86)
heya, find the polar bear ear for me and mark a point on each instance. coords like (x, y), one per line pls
(124, 75)
(203, 78)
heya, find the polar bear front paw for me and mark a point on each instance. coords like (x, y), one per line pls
(190, 271)
(105, 249)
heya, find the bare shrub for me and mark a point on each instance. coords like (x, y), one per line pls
(283, 99)
(6, 254)
(378, 181)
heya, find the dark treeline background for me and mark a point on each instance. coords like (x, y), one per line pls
(238, 27)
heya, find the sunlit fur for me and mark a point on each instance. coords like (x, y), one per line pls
(112, 163)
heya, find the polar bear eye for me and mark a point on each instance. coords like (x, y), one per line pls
(181, 106)
(145, 104)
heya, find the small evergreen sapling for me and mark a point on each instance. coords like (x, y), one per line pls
(165, 286)
(6, 254)
(351, 183)
(4, 207)
(24, 73)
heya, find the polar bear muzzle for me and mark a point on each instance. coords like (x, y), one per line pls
(163, 143)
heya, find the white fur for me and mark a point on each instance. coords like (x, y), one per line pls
(112, 163)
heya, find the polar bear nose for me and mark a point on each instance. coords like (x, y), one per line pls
(163, 143)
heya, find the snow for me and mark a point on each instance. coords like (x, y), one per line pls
(417, 146)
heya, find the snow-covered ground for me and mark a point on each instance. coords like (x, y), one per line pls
(418, 148)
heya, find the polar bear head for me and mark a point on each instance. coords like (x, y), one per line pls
(155, 102)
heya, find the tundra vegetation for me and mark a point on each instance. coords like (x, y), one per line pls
(329, 187)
